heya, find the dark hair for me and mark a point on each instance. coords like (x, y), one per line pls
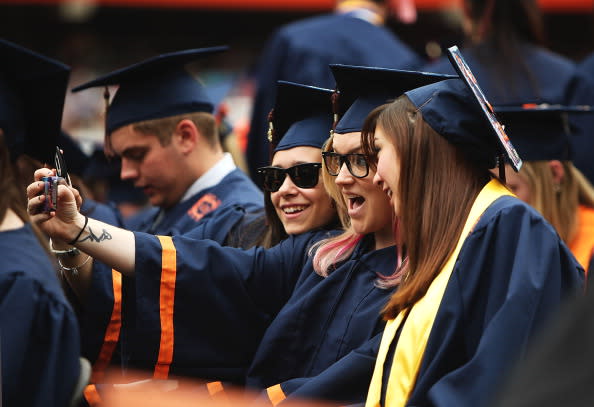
(437, 187)
(502, 26)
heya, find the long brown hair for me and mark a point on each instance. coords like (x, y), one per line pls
(13, 191)
(436, 189)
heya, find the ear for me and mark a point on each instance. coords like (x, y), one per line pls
(557, 171)
(186, 135)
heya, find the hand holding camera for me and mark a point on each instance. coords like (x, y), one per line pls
(53, 203)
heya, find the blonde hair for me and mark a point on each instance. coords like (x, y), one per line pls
(558, 204)
(329, 252)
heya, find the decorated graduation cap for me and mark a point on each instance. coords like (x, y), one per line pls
(155, 88)
(32, 92)
(540, 132)
(362, 89)
(457, 110)
(302, 116)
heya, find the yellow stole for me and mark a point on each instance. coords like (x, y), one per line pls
(415, 332)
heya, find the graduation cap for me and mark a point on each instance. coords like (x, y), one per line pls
(362, 89)
(32, 92)
(302, 116)
(76, 158)
(458, 111)
(540, 132)
(155, 88)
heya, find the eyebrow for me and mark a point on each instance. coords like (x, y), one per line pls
(355, 150)
(293, 163)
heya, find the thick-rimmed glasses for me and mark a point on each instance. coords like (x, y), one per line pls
(303, 176)
(356, 163)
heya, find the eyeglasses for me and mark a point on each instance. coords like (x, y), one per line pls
(356, 163)
(303, 176)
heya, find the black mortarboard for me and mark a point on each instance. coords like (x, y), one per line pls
(362, 89)
(74, 156)
(458, 111)
(302, 116)
(155, 88)
(32, 92)
(540, 132)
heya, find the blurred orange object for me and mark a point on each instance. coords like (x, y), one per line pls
(184, 392)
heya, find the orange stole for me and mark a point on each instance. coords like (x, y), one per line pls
(582, 244)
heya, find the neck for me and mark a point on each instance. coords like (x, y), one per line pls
(11, 221)
(384, 238)
(373, 12)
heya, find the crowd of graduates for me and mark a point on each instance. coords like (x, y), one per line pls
(405, 233)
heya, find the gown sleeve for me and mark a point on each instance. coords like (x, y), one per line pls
(343, 381)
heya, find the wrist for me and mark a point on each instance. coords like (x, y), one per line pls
(62, 249)
(76, 230)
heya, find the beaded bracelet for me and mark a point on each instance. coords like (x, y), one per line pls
(75, 268)
(73, 241)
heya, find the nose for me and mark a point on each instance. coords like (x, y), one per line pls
(129, 171)
(287, 187)
(344, 175)
(377, 180)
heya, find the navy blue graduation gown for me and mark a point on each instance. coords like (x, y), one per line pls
(105, 212)
(301, 52)
(312, 326)
(557, 370)
(552, 79)
(511, 275)
(213, 213)
(39, 334)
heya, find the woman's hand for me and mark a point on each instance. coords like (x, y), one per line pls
(65, 222)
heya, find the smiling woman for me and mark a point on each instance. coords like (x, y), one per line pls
(295, 198)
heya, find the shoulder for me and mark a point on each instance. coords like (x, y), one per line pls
(510, 212)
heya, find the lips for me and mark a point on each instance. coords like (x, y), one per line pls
(355, 204)
(292, 209)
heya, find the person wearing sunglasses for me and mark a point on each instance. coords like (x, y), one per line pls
(485, 271)
(294, 195)
(318, 294)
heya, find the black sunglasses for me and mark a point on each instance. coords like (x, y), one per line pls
(303, 176)
(356, 163)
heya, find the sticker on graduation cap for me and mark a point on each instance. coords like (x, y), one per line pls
(467, 76)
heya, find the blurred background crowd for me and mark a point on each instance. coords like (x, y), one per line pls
(99, 36)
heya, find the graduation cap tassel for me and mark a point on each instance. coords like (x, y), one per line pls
(334, 99)
(271, 145)
(106, 144)
(501, 161)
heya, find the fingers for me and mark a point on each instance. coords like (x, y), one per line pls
(43, 172)
(35, 207)
(35, 189)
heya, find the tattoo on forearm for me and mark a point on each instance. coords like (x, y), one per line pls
(97, 238)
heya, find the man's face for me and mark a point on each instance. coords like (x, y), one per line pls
(155, 168)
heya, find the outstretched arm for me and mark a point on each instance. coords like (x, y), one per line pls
(68, 227)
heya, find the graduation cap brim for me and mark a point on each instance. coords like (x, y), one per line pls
(151, 66)
(41, 83)
(541, 132)
(468, 78)
(159, 87)
(365, 88)
(306, 106)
